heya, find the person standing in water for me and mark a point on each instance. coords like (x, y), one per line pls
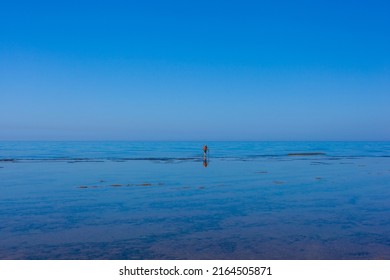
(205, 150)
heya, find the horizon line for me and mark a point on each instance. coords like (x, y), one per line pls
(173, 140)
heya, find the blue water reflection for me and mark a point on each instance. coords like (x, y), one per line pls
(125, 200)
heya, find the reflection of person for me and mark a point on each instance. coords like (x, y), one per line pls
(205, 163)
(205, 150)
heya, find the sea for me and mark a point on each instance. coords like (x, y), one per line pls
(166, 201)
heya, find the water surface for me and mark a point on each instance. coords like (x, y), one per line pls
(157, 200)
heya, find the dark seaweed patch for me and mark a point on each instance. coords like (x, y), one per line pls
(144, 185)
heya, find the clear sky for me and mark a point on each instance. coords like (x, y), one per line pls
(195, 70)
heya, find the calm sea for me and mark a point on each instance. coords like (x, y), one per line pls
(163, 200)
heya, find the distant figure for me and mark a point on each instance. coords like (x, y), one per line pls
(205, 150)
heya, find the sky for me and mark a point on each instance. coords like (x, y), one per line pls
(195, 70)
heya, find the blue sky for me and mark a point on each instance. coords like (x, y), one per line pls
(195, 70)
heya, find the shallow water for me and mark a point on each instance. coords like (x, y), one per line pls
(156, 200)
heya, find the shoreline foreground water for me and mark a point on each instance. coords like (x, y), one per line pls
(157, 200)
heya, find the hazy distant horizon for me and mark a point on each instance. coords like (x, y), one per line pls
(196, 140)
